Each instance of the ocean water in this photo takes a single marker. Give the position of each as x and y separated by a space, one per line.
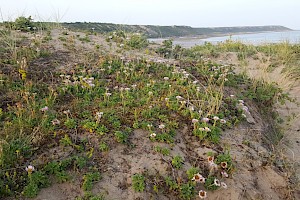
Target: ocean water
255 39
259 38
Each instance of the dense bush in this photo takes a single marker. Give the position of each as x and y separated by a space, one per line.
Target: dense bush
21 23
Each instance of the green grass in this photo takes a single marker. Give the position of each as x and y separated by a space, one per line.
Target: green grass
138 182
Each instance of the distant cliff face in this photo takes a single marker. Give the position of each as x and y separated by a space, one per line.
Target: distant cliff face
170 31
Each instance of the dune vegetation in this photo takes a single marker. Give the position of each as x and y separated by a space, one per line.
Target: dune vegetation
85 115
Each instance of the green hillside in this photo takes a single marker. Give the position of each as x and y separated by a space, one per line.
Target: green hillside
170 31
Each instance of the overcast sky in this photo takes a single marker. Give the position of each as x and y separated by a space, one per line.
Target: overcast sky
195 13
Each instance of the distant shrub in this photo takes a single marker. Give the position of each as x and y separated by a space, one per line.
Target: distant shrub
137 41
166 49
131 40
23 24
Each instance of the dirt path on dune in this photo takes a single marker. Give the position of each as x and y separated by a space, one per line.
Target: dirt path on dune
289 112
